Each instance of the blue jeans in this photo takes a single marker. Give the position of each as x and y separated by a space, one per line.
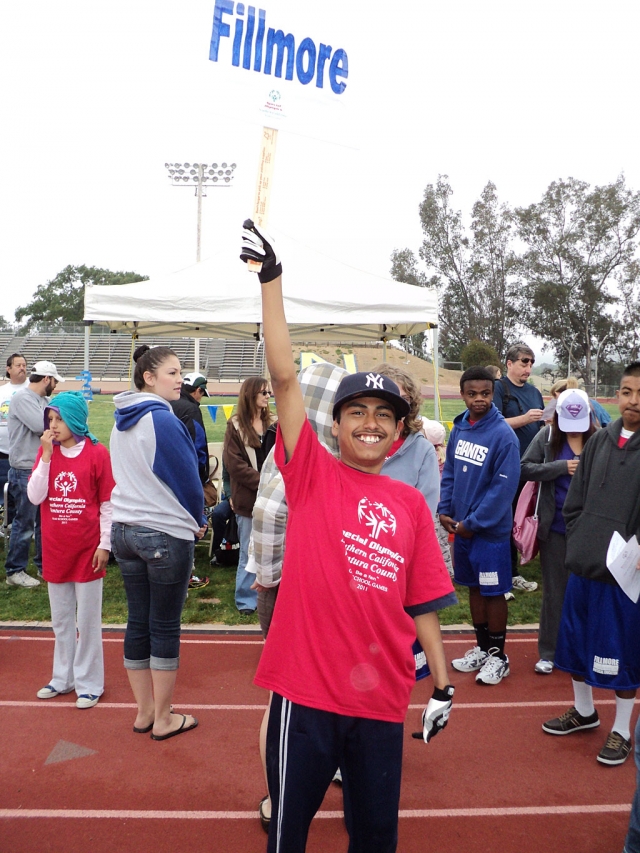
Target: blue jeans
26 521
246 598
632 844
222 512
155 569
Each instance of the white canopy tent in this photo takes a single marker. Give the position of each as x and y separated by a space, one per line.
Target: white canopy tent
325 300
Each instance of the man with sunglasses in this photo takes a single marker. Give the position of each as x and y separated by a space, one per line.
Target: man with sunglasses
522 405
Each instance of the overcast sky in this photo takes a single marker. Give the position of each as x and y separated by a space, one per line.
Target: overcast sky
99 95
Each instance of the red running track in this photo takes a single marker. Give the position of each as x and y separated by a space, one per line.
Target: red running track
78 781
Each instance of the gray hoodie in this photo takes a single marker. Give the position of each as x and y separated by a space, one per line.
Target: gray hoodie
604 496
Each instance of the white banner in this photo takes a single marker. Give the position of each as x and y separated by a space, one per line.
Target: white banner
284 65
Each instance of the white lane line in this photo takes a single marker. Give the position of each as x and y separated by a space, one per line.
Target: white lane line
459 706
49 638
102 814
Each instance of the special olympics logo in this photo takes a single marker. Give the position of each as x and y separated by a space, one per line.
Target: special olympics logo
66 483
274 95
377 517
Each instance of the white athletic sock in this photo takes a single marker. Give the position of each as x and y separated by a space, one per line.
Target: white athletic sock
622 722
583 696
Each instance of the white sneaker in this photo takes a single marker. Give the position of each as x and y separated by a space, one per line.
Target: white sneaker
22 579
544 667
472 661
87 701
494 669
526 586
337 777
509 596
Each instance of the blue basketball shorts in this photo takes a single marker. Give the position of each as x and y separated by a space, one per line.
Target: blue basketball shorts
599 636
482 563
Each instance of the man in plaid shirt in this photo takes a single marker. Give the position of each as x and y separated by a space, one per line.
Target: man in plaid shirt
319 383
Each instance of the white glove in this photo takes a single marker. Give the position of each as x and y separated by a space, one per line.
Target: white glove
436 715
258 246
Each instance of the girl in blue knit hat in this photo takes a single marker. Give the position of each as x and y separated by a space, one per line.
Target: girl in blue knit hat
72 483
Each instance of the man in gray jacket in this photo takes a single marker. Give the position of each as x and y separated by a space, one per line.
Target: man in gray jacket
599 637
26 425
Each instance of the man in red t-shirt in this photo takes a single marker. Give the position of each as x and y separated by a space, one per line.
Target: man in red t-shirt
363 576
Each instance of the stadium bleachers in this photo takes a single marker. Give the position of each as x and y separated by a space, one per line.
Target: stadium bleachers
110 355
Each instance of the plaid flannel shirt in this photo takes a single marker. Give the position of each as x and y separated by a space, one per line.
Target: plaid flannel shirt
319 383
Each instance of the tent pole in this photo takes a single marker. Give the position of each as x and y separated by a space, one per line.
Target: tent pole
87 333
436 392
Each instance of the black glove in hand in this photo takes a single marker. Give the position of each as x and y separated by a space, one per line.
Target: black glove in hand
258 246
436 715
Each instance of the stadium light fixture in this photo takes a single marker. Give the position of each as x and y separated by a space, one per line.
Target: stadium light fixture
200 176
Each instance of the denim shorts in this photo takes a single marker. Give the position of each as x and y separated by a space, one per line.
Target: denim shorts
155 570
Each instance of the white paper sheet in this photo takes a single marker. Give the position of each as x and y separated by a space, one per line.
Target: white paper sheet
622 562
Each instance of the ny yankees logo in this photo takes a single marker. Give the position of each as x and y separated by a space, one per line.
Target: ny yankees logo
374 380
376 516
66 482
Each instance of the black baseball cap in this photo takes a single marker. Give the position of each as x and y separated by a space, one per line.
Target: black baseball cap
370 385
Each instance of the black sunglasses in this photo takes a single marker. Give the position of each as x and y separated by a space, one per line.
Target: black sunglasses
266 393
526 361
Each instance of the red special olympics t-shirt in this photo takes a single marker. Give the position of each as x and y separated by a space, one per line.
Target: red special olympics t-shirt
70 514
360 547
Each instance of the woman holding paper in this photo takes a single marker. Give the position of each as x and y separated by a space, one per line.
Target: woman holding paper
551 459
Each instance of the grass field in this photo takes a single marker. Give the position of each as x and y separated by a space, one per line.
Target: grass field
215 602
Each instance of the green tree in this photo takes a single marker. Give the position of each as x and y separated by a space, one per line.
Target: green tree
474 273
626 336
576 238
5 325
478 354
404 268
61 300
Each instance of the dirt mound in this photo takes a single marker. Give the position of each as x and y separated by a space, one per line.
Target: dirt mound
370 355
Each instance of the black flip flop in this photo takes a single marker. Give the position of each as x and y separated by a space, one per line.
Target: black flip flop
178 731
144 730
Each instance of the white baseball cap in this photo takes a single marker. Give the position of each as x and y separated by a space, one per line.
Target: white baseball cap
46 368
196 380
574 413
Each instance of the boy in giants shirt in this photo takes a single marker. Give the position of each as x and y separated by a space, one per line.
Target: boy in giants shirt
599 636
480 477
363 575
72 483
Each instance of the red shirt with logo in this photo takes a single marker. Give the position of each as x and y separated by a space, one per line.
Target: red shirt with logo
360 548
70 515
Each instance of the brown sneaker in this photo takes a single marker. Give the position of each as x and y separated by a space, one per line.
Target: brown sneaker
571 721
615 751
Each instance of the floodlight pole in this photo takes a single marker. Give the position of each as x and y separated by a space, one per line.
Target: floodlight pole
219 177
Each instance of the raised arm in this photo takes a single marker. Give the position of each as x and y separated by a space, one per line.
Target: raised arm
257 246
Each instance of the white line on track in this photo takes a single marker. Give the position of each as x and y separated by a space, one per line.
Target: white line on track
49 638
101 814
189 706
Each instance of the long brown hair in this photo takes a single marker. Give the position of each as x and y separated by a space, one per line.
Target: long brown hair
558 437
248 410
413 421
